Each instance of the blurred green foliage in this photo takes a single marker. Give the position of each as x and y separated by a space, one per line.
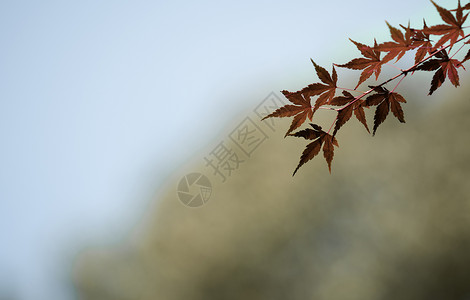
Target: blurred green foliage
391 222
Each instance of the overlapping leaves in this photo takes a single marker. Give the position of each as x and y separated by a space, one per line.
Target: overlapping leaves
430 56
370 63
301 107
444 67
350 104
400 45
421 41
453 27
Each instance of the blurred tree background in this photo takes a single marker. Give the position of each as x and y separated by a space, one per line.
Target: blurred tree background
102 100
391 222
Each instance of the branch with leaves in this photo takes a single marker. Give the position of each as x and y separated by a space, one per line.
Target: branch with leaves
429 56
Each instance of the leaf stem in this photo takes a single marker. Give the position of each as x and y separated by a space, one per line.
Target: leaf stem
398 84
350 90
327 108
393 66
457 51
336 118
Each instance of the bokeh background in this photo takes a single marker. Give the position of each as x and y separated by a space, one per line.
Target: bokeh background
105 105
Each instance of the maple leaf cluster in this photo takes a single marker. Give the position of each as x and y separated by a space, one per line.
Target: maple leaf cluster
437 57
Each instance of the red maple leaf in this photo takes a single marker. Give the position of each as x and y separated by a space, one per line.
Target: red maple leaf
402 43
320 138
444 66
429 56
370 63
302 107
326 90
385 101
450 31
300 110
345 113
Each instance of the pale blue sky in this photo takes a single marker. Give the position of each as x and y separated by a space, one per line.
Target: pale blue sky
101 100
